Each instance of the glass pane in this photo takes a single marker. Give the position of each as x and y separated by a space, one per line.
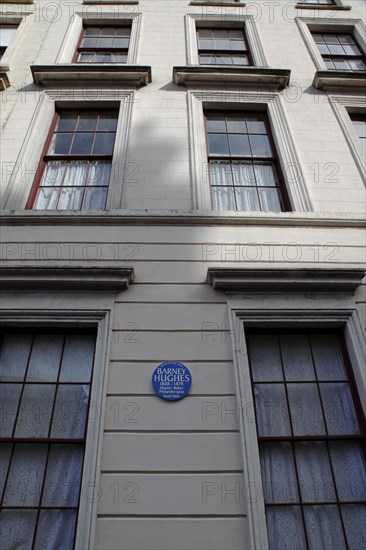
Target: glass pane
76 173
335 49
341 64
306 412
260 146
240 60
357 64
122 43
53 173
17 528
99 173
105 43
339 410
243 173
324 528
9 399
351 49
70 198
26 475
124 31
265 173
46 199
107 123
14 355
354 518
207 59
331 38
92 31
82 144
56 529
220 173
86 58
256 125
107 31
360 127
218 144
87 122
5 452
285 528
223 198
67 122
314 471
247 199
269 199
77 360
89 42
296 356
103 144
224 59
6 34
63 477
216 124
46 357
349 470
236 124
119 58
70 412
271 408
327 357
95 198
35 410
265 358
237 45
278 473
61 144
239 145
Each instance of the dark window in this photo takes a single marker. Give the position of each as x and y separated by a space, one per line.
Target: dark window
242 161
340 51
359 123
104 45
311 433
45 390
77 162
6 34
222 47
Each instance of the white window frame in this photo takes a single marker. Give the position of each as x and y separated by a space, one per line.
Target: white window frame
306 25
21 179
22 21
252 307
342 106
281 133
242 22
96 16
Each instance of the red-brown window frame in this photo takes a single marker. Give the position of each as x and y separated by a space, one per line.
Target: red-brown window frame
79 49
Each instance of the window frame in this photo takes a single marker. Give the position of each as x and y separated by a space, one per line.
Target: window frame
46 157
307 25
334 57
80 49
198 101
215 52
21 21
246 23
20 181
334 5
254 301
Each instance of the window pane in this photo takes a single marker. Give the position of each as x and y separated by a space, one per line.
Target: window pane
107 123
327 357
89 42
82 144
314 471
87 122
218 144
236 124
46 357
77 360
26 474
243 173
14 355
324 528
224 59
360 127
107 31
56 529
119 58
35 410
339 410
220 173
256 125
122 43
46 199
17 528
265 358
285 528
9 400
103 144
67 122
99 173
223 198
6 34
247 199
86 58
63 477
92 31
278 473
349 470
357 64
239 145
354 518
54 173
105 42
264 173
95 198
260 146
5 452
124 31
70 199
70 412
240 60
306 412
269 200
216 124
76 173
61 144
271 408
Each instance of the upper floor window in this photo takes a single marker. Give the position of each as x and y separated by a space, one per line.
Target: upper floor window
6 34
103 45
223 47
243 166
340 51
76 166
322 2
359 124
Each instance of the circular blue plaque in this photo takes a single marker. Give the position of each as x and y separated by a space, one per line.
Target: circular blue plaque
171 380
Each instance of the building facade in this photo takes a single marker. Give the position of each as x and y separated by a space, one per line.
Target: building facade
183 182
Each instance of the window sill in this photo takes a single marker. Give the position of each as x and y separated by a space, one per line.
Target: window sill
110 2
100 74
202 74
330 79
300 6
4 79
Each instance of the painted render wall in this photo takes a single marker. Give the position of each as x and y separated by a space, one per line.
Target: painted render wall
160 460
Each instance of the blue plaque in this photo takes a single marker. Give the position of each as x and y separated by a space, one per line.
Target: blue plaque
171 380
